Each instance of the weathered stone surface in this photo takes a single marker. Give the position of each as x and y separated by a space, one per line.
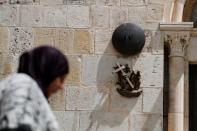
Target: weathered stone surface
100 16
58 37
118 16
103 43
153 42
104 121
51 2
153 100
74 76
191 50
4 38
23 1
101 69
108 2
44 36
151 68
146 122
154 12
5 68
68 120
74 2
9 16
133 2
90 2
86 98
58 101
78 16
138 15
31 16
83 42
21 39
157 43
156 1
54 16
123 104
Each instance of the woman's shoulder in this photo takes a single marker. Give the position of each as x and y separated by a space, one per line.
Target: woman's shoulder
17 81
18 78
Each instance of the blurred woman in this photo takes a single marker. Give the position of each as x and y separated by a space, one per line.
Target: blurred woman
23 96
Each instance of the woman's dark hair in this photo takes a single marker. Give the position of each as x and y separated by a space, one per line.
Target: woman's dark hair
43 64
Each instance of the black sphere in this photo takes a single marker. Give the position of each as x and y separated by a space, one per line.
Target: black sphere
128 39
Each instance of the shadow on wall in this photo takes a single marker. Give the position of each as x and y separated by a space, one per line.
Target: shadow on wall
116 113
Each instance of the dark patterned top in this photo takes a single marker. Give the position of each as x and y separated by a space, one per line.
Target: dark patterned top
22 102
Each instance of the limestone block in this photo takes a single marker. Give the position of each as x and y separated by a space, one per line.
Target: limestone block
100 16
68 120
74 2
118 16
191 50
44 36
155 12
83 42
4 38
31 15
90 2
58 100
138 15
146 122
9 15
51 2
104 121
86 98
54 16
23 1
151 68
103 43
6 69
153 42
123 104
151 25
58 37
78 16
156 1
153 100
133 2
74 76
21 39
157 43
108 2
101 69
147 46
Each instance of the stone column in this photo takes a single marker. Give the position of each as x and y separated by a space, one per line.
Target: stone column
178 10
178 42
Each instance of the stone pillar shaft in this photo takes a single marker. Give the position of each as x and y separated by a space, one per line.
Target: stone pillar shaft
177 42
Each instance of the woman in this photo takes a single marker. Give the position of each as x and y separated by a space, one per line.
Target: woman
23 96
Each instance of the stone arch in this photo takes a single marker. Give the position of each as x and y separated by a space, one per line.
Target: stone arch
173 10
188 8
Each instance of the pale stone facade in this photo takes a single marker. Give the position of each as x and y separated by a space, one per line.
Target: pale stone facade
82 30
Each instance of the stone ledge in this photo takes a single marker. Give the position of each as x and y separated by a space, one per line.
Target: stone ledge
175 26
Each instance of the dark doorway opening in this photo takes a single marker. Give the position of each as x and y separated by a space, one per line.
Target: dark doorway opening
192 97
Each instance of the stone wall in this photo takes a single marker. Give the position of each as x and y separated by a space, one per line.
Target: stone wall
82 30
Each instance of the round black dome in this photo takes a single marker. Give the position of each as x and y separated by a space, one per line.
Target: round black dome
128 39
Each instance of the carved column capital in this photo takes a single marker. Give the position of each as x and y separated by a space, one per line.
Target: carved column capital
177 41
